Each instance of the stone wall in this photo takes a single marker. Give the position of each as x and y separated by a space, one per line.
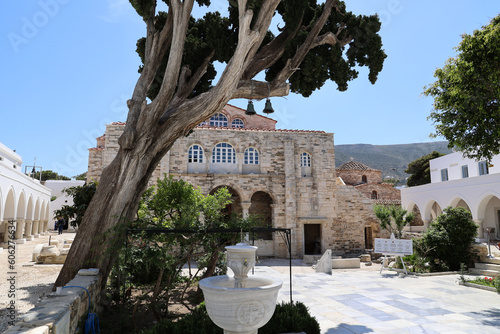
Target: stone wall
355 212
299 196
352 177
62 311
383 191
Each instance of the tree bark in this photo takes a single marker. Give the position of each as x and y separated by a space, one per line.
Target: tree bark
151 129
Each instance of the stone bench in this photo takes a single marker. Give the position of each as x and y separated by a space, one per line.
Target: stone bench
346 263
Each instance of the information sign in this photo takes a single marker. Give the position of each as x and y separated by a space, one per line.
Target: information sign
393 246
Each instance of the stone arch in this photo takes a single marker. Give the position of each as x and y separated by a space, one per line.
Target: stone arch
233 208
1 207
460 201
488 214
21 206
37 210
10 205
47 212
261 208
42 211
413 208
432 210
29 209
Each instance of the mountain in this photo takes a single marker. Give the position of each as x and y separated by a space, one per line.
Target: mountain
392 160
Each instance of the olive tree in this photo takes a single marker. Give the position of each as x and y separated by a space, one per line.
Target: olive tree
315 42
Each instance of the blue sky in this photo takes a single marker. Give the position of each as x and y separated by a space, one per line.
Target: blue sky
70 66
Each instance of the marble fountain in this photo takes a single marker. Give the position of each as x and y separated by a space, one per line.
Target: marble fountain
240 304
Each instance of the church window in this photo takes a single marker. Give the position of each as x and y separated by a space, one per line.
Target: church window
251 156
218 120
224 153
237 123
305 160
363 179
195 154
374 194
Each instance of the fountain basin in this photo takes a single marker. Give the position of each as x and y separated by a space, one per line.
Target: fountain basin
240 310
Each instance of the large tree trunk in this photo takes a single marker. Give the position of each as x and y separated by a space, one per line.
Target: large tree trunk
151 129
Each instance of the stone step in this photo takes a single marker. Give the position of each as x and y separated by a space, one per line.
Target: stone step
484 272
487 266
495 260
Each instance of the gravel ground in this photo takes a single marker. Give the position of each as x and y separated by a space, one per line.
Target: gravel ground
32 281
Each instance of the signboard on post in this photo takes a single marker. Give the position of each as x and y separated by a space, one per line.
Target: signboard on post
393 246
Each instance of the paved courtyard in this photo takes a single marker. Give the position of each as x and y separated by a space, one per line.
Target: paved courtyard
365 301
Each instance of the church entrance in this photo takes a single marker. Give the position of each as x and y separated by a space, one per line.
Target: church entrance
368 237
312 239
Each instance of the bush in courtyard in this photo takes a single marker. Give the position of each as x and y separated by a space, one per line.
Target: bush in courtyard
291 318
197 322
287 318
447 242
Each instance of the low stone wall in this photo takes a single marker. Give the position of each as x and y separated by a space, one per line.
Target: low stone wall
62 311
346 263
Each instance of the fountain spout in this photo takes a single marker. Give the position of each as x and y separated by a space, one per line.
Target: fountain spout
241 259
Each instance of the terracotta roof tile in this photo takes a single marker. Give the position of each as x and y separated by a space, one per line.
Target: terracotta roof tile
354 165
254 129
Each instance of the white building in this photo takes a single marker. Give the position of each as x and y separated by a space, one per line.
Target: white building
60 197
24 202
458 181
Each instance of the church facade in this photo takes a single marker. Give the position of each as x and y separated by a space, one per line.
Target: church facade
286 178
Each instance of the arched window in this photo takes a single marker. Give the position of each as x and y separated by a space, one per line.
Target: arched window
237 123
305 160
224 153
195 154
251 156
363 178
374 195
219 120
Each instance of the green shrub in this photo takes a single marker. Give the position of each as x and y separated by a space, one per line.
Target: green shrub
197 322
447 242
291 318
287 318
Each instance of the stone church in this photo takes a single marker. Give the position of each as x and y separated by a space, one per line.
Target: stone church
285 177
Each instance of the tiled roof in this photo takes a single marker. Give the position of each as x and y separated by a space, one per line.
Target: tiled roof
96 148
382 201
354 165
254 129
118 123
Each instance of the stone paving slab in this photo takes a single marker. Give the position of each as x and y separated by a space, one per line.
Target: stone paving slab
361 301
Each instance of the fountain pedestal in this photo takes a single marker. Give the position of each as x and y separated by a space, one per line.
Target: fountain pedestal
240 304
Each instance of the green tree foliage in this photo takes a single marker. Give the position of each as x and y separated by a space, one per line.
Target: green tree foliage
466 107
419 169
393 213
216 35
176 90
49 175
155 260
81 177
82 195
447 241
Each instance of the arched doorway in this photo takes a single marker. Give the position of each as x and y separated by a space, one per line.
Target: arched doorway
261 209
233 209
491 215
417 221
